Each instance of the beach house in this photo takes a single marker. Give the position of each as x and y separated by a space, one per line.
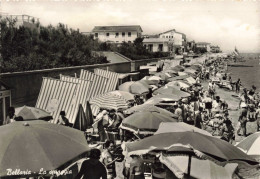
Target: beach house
203 45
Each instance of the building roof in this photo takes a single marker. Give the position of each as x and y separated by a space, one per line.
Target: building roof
203 43
155 40
117 28
168 31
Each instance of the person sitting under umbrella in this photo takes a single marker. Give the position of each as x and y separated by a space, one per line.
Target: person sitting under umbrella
107 158
11 115
63 120
92 168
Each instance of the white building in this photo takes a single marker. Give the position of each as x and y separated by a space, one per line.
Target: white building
117 34
203 45
156 44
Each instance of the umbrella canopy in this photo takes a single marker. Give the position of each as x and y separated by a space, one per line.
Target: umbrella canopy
163 76
250 144
32 113
145 122
109 101
178 78
155 78
202 169
162 97
150 82
149 107
171 90
32 145
181 84
126 95
166 127
137 87
199 144
182 73
177 68
170 71
190 70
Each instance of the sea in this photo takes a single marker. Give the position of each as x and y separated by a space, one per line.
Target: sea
248 72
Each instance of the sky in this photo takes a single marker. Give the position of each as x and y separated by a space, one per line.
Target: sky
227 23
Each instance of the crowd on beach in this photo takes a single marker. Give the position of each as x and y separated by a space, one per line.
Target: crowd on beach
203 108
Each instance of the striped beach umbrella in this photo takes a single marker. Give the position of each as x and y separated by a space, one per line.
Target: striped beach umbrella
250 144
109 101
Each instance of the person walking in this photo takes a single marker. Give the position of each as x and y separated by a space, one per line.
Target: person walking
92 168
238 84
242 120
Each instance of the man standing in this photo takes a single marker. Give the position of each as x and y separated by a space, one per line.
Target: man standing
242 119
92 168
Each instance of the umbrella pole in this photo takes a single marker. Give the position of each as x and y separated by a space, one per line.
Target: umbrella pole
189 165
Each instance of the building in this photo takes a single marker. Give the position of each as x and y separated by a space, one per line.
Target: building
23 20
177 40
190 46
214 49
203 45
156 44
117 34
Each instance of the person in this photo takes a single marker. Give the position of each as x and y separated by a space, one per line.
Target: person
108 159
149 94
211 89
11 115
178 111
238 84
158 170
136 167
18 118
258 117
102 122
63 120
251 114
205 119
227 131
198 119
242 120
208 104
92 168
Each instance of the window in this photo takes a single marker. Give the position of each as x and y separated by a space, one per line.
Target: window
163 36
166 36
160 48
150 47
96 35
117 35
107 34
123 34
129 34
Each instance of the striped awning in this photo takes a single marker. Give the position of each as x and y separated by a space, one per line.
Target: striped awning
81 93
99 83
112 76
109 101
55 96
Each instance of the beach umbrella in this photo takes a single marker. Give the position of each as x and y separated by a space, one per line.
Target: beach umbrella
149 107
35 145
137 87
145 122
178 68
182 73
126 95
170 71
150 82
180 83
172 90
163 76
162 97
250 144
195 167
166 127
32 113
109 101
193 143
155 78
178 78
190 70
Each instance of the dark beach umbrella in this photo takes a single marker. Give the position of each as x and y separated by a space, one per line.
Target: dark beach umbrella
35 145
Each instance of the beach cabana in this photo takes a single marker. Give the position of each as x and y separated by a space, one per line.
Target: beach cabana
112 78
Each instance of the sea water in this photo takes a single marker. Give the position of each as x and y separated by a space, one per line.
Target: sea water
249 74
